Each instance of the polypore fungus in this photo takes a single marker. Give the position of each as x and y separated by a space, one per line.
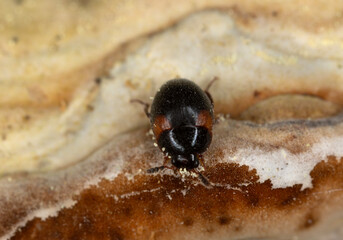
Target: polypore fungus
275 163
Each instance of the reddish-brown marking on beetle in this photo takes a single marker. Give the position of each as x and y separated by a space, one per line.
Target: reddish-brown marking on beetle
161 124
204 120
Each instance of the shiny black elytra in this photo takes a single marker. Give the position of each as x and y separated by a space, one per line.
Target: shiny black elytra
181 118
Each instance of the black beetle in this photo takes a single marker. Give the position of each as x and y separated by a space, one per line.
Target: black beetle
181 118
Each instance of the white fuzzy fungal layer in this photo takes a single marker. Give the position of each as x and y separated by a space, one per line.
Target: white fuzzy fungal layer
285 169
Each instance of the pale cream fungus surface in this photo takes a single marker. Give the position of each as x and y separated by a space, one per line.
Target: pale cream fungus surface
77 168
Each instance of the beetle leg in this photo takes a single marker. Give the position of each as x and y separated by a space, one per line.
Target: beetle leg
146 106
157 169
202 178
208 88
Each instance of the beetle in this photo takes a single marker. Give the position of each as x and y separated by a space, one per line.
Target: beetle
181 118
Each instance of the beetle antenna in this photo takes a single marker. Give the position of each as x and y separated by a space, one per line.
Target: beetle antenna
155 169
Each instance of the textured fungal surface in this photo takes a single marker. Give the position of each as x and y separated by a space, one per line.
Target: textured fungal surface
77 169
134 205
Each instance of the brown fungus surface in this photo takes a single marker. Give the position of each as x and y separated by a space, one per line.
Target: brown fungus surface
74 151
131 204
135 205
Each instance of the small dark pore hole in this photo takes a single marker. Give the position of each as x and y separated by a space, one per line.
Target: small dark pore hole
90 108
15 39
238 228
223 220
127 211
115 234
275 13
18 1
26 117
188 222
97 81
309 222
257 93
58 37
288 201
253 200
